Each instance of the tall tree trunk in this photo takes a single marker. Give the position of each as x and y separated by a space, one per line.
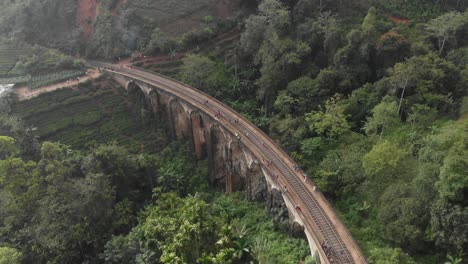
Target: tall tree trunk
441 45
401 97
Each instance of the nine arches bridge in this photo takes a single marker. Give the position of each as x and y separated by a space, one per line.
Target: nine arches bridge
240 155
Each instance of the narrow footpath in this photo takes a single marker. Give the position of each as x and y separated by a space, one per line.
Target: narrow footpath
24 93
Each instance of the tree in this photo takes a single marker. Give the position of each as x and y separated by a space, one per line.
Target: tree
325 25
425 80
205 74
384 157
370 24
403 213
277 58
7 146
299 97
384 116
390 256
453 182
159 42
252 37
392 47
402 75
175 230
341 172
421 115
10 255
261 250
272 18
445 26
352 61
328 124
453 260
107 41
448 226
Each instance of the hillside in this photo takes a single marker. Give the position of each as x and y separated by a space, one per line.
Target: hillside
369 97
48 23
94 112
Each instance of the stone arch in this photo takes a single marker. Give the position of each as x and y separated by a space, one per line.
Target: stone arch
239 168
277 207
199 135
217 156
155 100
140 103
180 120
256 183
297 230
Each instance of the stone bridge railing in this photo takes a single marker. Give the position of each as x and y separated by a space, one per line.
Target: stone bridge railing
242 157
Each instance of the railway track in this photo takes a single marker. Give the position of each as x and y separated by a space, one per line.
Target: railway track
316 213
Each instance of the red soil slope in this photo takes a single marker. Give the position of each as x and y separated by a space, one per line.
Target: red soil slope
87 13
399 20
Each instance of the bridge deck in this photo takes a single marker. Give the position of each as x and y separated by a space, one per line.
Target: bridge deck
317 214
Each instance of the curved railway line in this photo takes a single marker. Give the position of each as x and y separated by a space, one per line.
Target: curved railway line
316 213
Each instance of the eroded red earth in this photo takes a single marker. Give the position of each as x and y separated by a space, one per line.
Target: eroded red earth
87 13
399 19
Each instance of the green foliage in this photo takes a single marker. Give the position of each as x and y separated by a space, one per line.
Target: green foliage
401 193
65 207
417 10
268 245
276 56
107 41
177 174
40 59
452 180
384 156
389 256
272 16
7 146
422 115
392 47
296 99
464 106
370 24
341 171
202 73
448 225
444 27
159 42
384 116
329 124
189 229
10 256
174 230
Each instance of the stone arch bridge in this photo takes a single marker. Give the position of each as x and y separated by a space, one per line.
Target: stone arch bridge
242 157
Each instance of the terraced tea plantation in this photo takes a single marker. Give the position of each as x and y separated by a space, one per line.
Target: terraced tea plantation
56 77
93 112
8 57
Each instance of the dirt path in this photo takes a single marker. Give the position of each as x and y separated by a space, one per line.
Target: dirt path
24 93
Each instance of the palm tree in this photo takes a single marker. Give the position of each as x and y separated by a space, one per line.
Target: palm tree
453 260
